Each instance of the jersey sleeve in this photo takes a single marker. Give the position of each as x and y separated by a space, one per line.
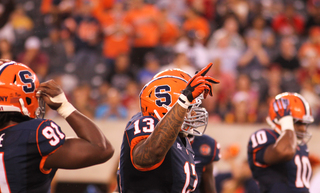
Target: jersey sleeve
49 137
214 146
207 149
258 143
140 129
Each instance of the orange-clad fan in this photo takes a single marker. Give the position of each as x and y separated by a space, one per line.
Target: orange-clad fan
115 29
169 31
196 23
144 20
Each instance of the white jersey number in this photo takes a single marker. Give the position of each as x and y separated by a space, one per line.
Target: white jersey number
148 129
259 138
303 171
51 133
188 173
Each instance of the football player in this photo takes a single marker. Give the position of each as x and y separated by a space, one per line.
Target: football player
278 157
205 148
32 148
156 155
207 151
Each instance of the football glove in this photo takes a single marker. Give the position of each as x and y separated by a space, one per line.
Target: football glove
282 109
199 84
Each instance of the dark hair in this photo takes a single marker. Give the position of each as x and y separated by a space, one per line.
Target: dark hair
6 117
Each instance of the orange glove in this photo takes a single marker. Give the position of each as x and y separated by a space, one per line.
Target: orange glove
200 83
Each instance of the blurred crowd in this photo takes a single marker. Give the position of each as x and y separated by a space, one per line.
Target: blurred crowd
102 52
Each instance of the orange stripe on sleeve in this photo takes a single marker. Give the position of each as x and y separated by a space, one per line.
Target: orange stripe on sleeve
43 161
254 159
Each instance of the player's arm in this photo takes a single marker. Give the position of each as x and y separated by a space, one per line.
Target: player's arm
285 146
208 182
91 147
153 149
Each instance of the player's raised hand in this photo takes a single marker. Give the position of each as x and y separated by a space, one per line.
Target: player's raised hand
200 83
54 97
281 108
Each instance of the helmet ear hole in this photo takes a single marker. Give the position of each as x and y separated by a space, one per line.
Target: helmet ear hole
28 100
14 79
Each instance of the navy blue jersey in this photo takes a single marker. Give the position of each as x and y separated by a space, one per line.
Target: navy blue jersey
206 150
23 150
288 177
176 173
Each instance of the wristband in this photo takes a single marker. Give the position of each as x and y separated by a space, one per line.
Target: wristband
286 123
183 101
66 108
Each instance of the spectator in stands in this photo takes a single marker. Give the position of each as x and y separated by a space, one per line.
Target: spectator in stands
312 46
144 20
151 68
274 80
260 30
231 29
5 49
89 67
287 58
82 101
169 34
21 22
289 64
6 29
56 51
115 31
130 98
193 49
67 40
22 26
219 106
227 54
245 101
121 73
310 69
196 23
313 16
176 9
85 27
240 8
288 23
254 60
34 57
112 108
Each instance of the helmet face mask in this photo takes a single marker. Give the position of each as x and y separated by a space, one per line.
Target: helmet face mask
196 121
162 92
18 84
300 111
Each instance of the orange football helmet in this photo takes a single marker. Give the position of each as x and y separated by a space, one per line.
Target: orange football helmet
174 72
159 95
18 84
300 111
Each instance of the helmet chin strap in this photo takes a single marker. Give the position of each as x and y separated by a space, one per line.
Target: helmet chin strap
24 109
